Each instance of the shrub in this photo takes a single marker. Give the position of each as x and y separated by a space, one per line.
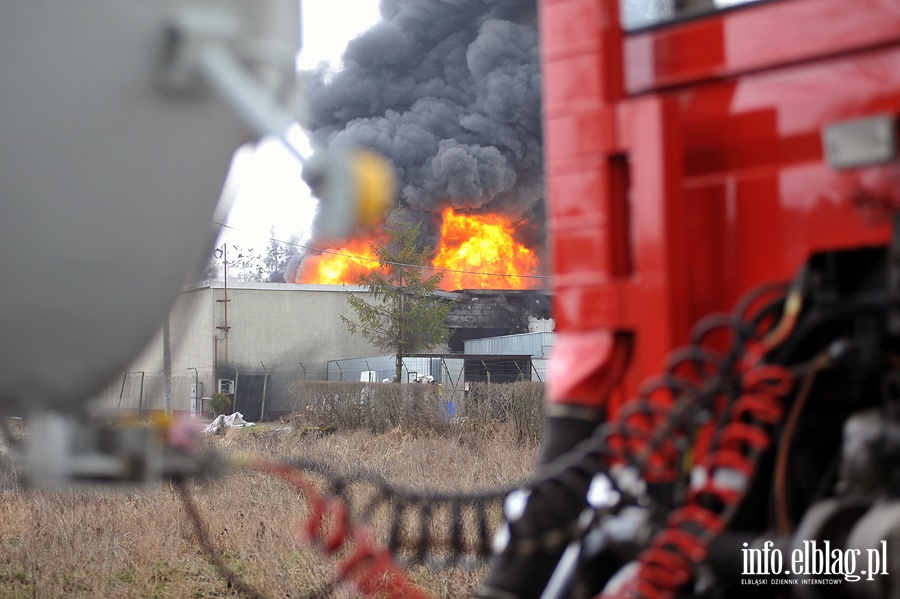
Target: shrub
519 404
220 404
380 407
376 407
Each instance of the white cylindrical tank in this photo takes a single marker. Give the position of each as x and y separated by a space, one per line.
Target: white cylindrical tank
108 185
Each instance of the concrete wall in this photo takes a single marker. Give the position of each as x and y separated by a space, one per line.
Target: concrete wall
285 324
142 388
276 334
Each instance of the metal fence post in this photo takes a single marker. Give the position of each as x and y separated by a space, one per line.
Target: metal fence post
487 371
234 391
141 397
121 392
537 374
262 408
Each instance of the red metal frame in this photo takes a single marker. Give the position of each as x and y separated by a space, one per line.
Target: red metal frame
684 166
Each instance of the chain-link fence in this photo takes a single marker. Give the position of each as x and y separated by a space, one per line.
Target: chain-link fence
453 373
264 391
259 393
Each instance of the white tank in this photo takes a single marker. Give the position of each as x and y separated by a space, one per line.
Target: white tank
108 186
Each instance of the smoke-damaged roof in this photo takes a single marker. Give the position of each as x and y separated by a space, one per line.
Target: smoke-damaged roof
482 313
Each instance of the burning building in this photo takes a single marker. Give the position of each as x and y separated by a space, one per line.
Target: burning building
473 252
261 338
478 314
449 93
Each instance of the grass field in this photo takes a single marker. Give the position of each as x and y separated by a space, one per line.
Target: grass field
140 542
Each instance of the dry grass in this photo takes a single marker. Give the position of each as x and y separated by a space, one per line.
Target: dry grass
139 543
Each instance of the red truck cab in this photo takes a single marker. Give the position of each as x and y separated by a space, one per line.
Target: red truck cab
695 150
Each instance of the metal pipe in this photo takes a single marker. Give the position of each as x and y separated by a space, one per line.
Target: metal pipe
121 392
224 301
251 101
225 275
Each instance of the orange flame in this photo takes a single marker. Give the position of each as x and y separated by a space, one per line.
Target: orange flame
483 246
477 251
340 266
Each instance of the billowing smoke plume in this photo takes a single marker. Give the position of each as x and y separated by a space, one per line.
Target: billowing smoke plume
449 92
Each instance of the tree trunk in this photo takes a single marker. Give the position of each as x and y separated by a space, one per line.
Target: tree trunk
398 366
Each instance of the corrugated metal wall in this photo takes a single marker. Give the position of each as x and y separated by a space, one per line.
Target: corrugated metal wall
536 345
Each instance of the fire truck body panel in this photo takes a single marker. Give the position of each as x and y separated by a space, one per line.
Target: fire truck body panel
755 37
697 171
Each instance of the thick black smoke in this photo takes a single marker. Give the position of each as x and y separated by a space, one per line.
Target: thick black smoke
449 92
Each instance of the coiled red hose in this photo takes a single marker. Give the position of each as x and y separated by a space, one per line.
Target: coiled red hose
370 569
674 552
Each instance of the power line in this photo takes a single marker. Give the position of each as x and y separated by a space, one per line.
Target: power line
367 259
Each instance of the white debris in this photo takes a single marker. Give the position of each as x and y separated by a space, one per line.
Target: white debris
222 422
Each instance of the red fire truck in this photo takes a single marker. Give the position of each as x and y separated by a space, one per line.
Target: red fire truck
723 418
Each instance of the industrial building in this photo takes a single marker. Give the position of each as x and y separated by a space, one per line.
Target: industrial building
253 337
253 340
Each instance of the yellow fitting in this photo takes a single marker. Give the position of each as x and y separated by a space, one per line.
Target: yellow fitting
375 186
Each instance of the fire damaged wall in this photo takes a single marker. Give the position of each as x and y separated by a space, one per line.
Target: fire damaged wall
481 313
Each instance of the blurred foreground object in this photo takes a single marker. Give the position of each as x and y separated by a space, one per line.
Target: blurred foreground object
119 122
109 184
356 188
62 449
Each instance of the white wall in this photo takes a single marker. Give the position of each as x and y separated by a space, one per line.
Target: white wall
292 329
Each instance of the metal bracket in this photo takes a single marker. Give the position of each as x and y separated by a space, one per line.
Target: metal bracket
206 48
860 142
